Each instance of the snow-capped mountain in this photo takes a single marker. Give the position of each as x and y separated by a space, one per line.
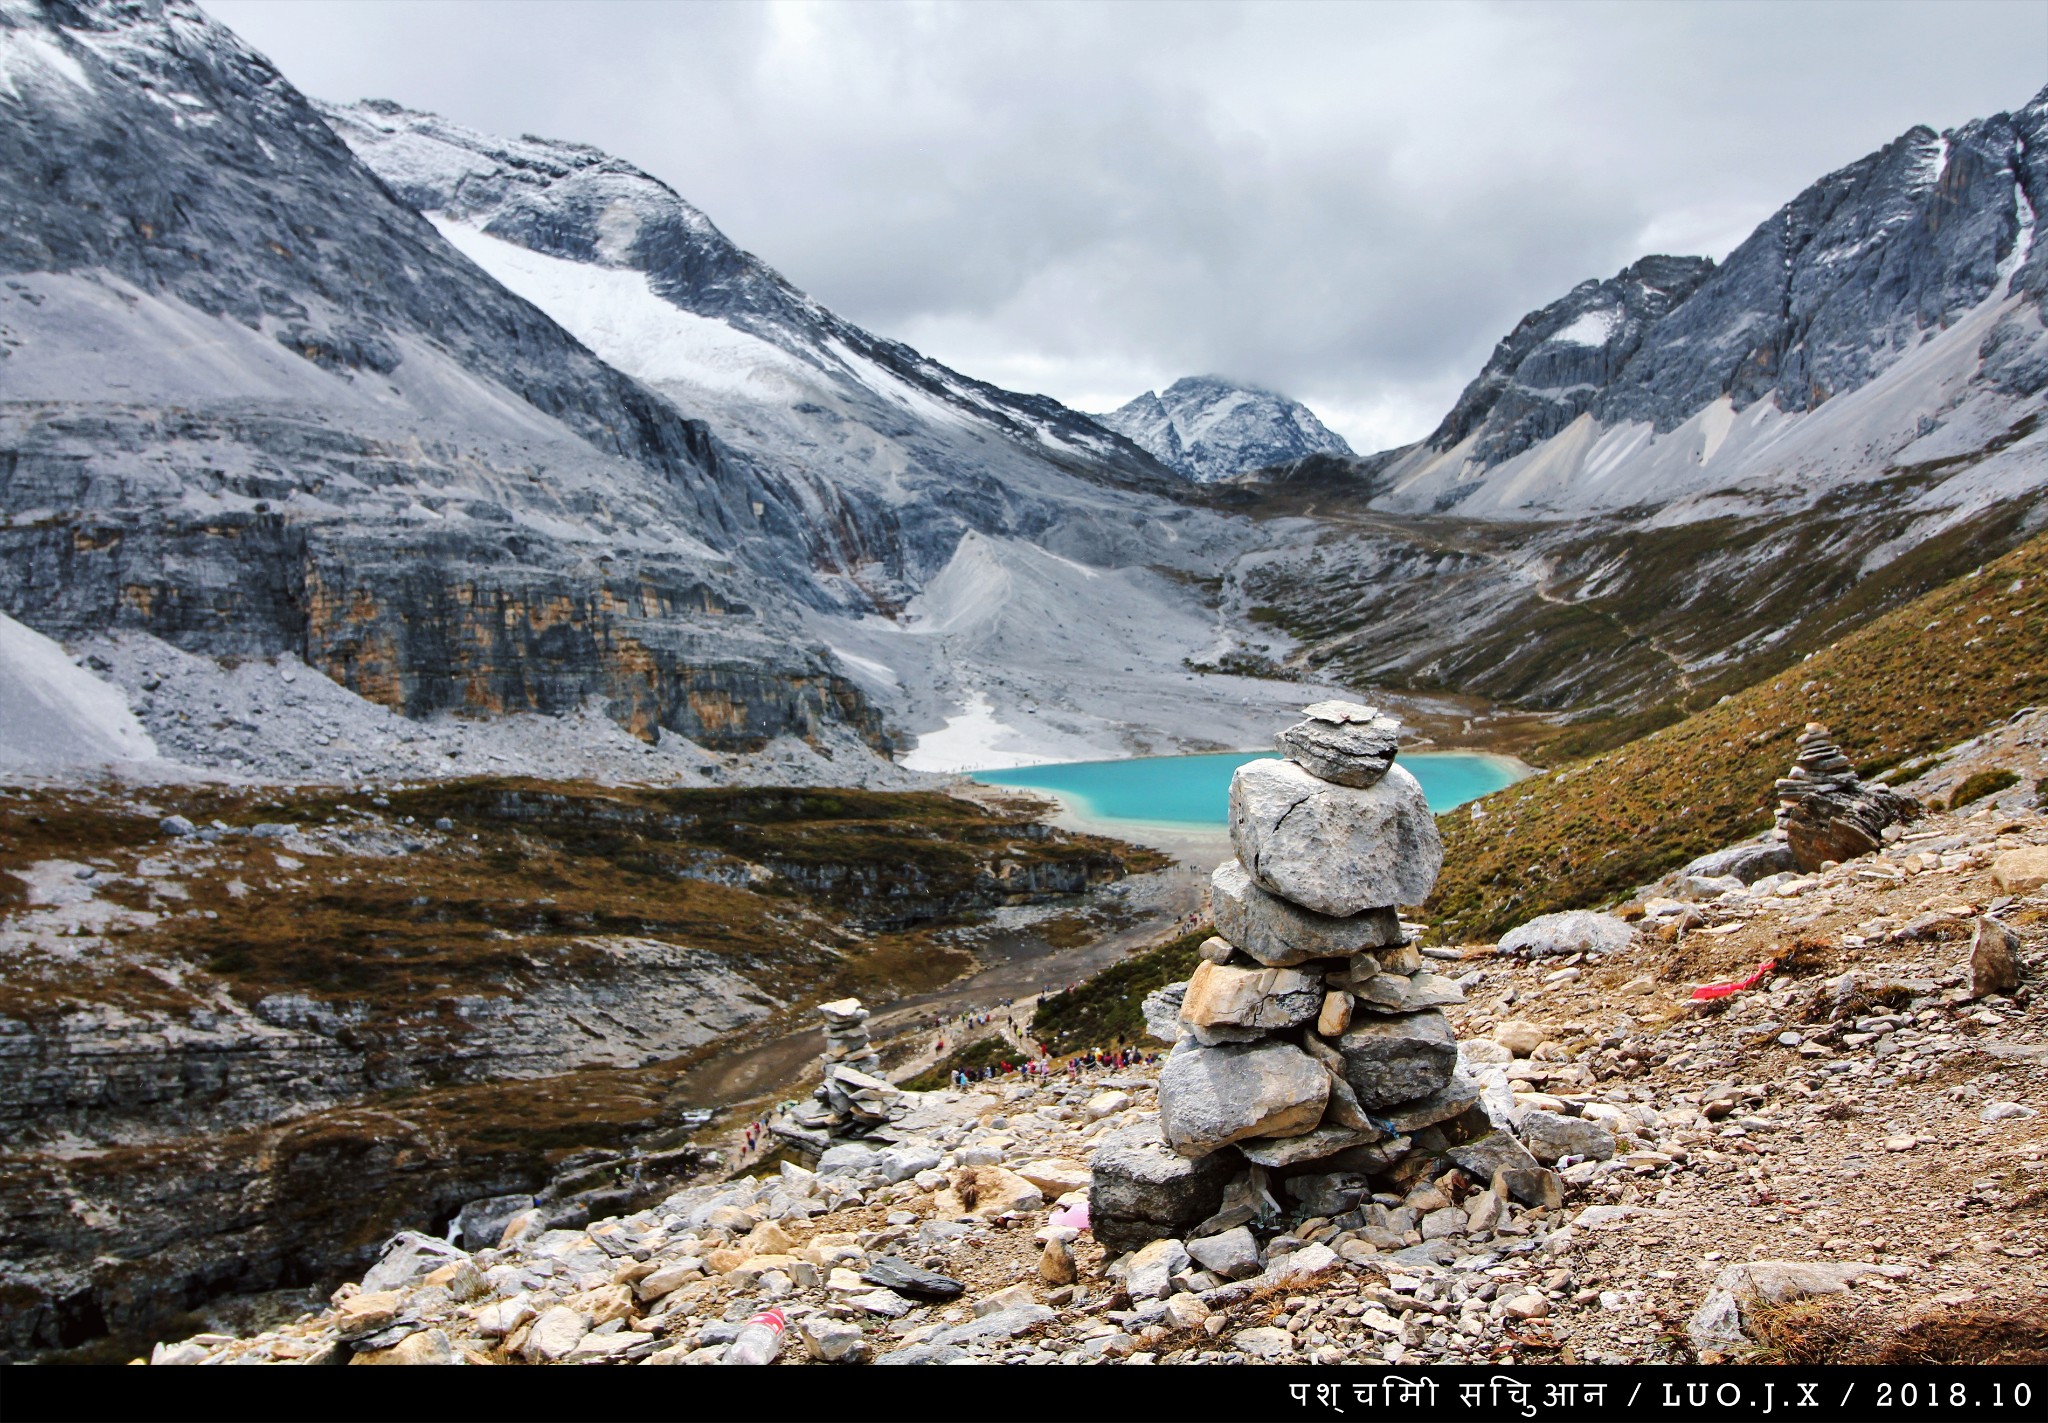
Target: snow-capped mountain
923 493
1886 320
561 444
896 455
254 405
1207 428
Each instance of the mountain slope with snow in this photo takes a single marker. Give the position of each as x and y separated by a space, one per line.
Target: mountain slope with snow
916 483
1208 429
1673 481
1885 323
893 456
585 206
254 406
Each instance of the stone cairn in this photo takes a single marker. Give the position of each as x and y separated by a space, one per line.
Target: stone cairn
1310 1052
1826 811
854 1098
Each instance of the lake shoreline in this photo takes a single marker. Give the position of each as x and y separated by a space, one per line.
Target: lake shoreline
1204 843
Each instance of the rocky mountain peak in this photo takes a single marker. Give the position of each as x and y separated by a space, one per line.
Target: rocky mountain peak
1899 279
249 370
1549 369
1207 428
580 204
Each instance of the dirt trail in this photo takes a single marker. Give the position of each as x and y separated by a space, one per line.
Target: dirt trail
1017 965
1651 640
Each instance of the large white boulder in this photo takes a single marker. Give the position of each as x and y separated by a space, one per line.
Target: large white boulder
1338 850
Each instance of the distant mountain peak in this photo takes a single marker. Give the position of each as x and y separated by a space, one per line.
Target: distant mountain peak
1208 428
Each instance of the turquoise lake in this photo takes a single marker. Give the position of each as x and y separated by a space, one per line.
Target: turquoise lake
1193 792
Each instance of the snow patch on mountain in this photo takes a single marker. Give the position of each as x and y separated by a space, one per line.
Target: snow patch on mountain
28 58
616 312
974 739
1207 428
1595 328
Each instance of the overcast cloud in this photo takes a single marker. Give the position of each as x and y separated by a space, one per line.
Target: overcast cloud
1347 203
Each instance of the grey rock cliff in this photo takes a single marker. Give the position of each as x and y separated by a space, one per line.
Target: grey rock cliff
255 405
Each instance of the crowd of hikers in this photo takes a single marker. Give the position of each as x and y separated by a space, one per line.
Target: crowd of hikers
1004 1012
1037 1061
757 1129
1042 1066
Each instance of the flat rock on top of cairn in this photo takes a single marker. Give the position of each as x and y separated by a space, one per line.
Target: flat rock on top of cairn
1340 713
1335 849
1345 743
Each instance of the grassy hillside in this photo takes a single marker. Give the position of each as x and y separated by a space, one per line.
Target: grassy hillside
1922 677
1641 625
1105 1011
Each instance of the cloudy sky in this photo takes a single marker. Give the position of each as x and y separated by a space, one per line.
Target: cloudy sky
1347 203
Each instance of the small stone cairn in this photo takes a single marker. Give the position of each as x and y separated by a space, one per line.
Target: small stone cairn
854 1097
1310 1049
1826 811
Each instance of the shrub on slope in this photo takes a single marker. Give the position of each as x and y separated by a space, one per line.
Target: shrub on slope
1918 679
1106 1010
991 1051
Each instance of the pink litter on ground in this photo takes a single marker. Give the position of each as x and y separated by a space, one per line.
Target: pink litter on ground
1722 990
1075 1215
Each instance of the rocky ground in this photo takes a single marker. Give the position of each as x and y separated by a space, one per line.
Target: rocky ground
250 1032
1865 1124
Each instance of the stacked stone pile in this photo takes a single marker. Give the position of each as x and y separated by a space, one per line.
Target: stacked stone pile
854 1097
1826 811
1310 1050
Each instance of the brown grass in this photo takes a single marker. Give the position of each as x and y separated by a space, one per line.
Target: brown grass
1858 1329
1809 954
1924 677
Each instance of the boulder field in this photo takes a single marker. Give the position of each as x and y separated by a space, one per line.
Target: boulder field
1864 1126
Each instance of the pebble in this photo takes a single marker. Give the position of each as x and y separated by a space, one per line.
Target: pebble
1265 1342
